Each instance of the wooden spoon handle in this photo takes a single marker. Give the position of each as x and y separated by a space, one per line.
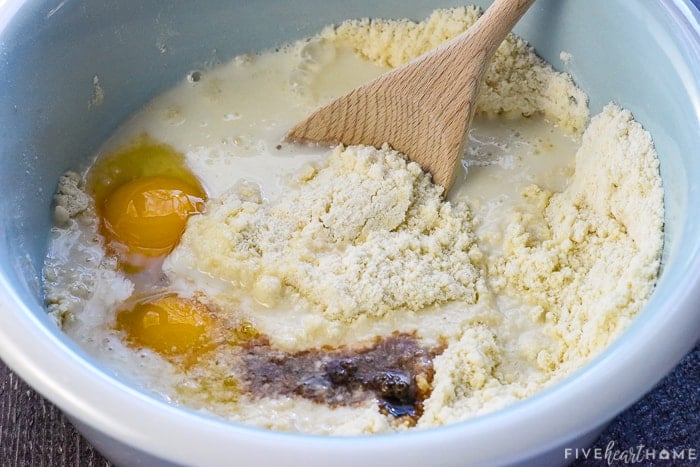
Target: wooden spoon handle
446 82
497 22
465 58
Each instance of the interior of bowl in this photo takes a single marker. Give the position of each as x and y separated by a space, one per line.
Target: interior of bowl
55 57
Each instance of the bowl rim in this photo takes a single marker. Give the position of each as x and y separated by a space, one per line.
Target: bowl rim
60 371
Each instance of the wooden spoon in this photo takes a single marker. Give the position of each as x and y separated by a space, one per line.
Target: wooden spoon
423 108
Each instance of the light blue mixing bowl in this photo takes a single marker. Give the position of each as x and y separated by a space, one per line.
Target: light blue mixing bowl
643 55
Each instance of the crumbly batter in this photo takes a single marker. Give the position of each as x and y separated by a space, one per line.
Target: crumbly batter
365 233
342 293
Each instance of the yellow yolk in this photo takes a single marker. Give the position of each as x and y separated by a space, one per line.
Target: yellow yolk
144 194
168 324
147 216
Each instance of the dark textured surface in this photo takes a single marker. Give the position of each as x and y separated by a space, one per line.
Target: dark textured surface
34 433
666 418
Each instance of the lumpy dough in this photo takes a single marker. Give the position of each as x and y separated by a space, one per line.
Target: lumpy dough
544 251
588 257
364 233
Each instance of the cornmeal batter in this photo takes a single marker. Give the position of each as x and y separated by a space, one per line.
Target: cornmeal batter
339 291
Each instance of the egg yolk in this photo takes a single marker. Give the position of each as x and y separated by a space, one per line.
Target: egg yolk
144 194
168 324
147 216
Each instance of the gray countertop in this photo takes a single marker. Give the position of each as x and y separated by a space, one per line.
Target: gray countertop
33 432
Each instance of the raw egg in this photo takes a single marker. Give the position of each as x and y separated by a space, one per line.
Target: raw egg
147 216
144 195
167 324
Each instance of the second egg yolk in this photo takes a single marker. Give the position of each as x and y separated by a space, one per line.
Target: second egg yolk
168 324
147 216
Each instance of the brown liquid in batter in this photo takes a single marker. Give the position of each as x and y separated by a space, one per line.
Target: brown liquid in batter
395 370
